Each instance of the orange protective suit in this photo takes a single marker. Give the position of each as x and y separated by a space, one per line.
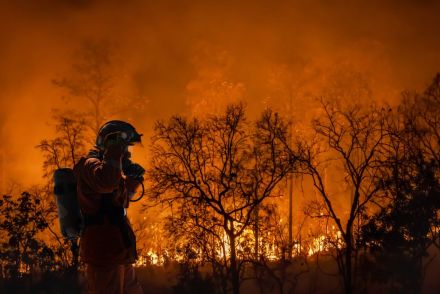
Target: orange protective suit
107 244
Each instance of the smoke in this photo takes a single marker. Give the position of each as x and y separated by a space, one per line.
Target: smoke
171 49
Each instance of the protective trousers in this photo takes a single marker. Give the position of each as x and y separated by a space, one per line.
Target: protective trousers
116 279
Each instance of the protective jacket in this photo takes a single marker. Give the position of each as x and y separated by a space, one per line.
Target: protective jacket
102 191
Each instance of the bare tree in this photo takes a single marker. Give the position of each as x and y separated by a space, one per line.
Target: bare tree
96 80
421 114
353 136
91 78
67 147
217 171
288 86
63 151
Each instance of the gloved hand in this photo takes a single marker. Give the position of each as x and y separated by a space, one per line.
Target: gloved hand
115 140
134 171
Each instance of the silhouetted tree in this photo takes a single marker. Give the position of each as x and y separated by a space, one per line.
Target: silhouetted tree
217 172
350 138
407 224
400 234
91 78
94 80
67 147
22 251
64 151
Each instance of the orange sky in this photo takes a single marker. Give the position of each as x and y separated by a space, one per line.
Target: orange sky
170 53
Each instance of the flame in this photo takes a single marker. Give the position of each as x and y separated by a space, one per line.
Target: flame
325 243
318 245
150 258
245 244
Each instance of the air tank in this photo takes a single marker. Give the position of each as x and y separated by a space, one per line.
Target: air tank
69 213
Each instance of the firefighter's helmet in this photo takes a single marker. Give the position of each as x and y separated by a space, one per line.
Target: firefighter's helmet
126 130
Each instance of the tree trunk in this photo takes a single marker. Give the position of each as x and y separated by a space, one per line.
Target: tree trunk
290 247
256 232
348 265
235 279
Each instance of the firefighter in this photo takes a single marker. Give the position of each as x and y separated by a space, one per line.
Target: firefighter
106 179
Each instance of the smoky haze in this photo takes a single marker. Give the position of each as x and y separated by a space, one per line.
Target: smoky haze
172 53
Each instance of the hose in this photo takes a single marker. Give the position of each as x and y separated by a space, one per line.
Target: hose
142 194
